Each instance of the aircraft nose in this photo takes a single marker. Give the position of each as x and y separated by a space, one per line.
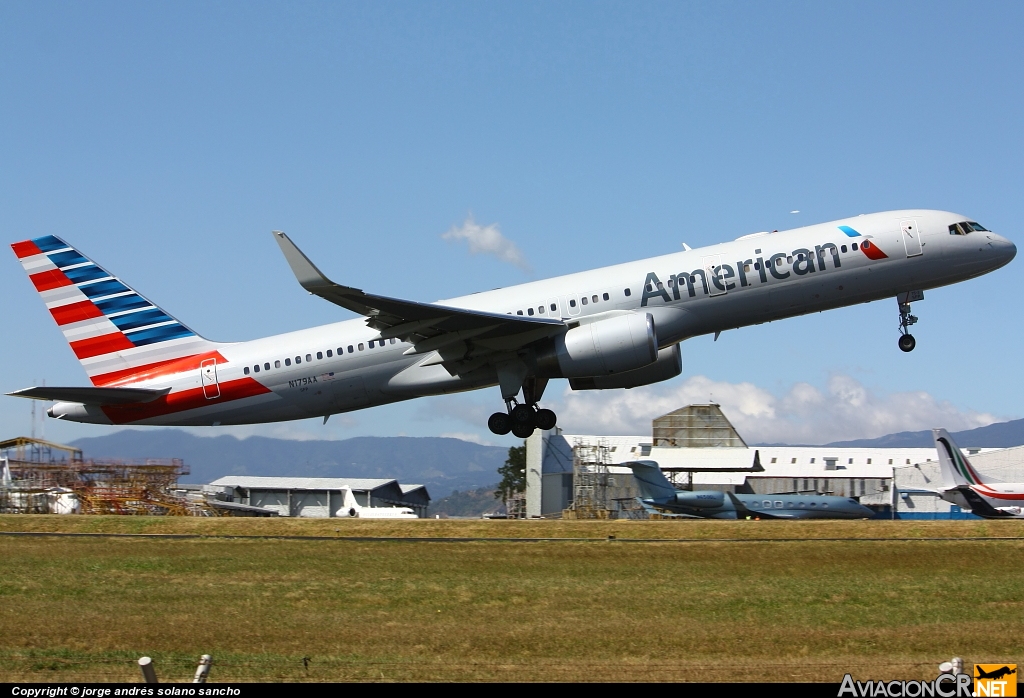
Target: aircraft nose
1004 249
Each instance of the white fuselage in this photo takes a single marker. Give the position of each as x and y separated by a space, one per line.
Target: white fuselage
751 280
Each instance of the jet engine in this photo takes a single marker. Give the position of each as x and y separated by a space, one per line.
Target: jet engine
614 345
669 364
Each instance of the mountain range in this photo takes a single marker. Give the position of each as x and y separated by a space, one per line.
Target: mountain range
999 435
442 464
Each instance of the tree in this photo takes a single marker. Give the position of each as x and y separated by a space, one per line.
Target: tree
513 474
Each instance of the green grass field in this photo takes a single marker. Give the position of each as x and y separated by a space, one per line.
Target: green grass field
777 610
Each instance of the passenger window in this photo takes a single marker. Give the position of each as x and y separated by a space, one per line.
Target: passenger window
789 259
843 248
626 291
746 267
540 309
850 462
757 265
594 298
890 461
812 460
309 358
360 346
245 370
554 307
266 366
650 287
277 364
350 349
287 362
529 311
519 312
329 353
256 368
298 360
793 461
319 356
778 504
869 461
582 300
605 296
572 303
853 246
392 340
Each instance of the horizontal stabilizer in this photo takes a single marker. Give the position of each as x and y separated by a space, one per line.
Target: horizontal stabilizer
93 396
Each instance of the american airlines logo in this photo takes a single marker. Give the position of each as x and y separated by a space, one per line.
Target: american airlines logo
715 277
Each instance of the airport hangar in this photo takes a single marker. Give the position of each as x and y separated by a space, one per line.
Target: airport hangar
317 497
698 448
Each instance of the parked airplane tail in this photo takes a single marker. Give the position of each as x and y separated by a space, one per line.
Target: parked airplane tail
956 469
117 334
652 482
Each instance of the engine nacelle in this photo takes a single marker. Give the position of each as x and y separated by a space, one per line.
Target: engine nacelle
701 499
613 345
669 364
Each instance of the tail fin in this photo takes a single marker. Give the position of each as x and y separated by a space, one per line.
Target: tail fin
117 334
652 482
956 469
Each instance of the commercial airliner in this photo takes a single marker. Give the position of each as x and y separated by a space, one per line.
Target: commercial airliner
656 491
964 486
616 327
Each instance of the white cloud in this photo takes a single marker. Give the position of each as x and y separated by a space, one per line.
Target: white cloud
844 410
488 240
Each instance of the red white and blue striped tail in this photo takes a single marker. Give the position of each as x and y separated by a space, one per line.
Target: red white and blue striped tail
119 336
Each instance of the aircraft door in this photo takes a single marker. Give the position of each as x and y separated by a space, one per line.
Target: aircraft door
911 237
208 376
713 272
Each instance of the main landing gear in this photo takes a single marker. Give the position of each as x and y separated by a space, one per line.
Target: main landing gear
907 341
522 418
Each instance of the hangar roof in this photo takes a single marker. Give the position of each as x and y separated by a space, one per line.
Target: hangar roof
304 483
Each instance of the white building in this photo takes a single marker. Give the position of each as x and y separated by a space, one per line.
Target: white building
699 448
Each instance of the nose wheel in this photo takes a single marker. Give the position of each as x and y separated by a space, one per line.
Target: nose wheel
521 420
907 342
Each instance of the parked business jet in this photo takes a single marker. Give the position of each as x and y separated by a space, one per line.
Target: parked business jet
352 508
962 485
656 491
616 327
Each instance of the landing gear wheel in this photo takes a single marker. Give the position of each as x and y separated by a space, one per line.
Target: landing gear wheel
522 431
499 423
523 416
546 420
907 342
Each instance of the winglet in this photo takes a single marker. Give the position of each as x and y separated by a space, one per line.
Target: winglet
309 277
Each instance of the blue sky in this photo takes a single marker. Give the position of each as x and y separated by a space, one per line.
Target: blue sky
166 140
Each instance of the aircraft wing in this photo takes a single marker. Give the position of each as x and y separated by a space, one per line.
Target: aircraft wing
92 396
427 326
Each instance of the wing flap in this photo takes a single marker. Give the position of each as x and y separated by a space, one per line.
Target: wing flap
92 396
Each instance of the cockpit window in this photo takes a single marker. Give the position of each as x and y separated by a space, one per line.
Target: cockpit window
966 228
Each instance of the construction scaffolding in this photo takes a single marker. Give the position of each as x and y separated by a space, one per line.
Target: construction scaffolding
44 477
589 481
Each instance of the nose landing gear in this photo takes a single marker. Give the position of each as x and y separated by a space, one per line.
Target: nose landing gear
907 341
